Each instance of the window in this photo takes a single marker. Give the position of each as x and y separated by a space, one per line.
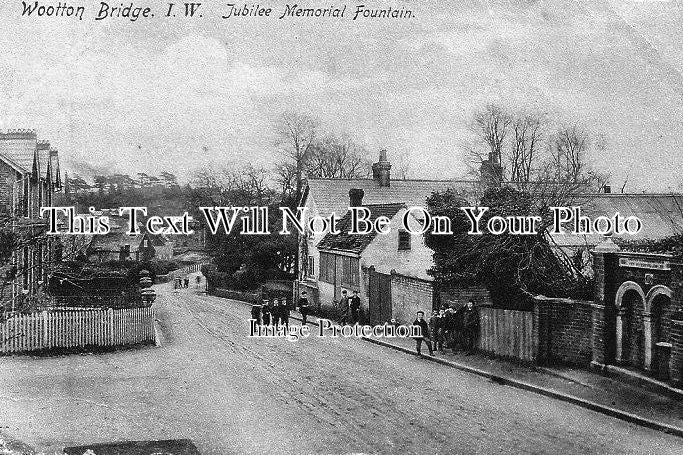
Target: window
403 240
311 266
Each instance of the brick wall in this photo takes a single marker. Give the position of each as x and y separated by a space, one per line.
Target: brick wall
459 296
564 330
676 362
408 296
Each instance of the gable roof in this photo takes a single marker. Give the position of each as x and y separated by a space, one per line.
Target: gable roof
661 215
332 195
19 147
356 243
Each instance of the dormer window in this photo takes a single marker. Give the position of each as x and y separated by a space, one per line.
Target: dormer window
403 240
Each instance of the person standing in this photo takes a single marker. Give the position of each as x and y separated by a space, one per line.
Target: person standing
424 335
256 312
344 306
275 313
265 314
470 325
354 306
284 314
304 306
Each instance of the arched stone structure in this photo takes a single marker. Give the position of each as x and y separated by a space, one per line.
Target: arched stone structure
652 294
625 287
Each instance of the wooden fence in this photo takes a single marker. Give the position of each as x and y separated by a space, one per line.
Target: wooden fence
69 329
507 333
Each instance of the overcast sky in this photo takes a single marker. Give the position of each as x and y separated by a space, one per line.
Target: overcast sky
149 95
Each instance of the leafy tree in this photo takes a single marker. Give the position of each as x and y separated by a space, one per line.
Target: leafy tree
512 267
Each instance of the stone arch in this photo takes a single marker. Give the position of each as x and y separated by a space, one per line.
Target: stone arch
659 289
648 327
626 317
624 288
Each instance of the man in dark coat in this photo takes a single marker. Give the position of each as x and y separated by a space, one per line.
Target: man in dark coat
470 326
265 311
284 313
304 306
424 327
344 306
256 312
275 313
354 306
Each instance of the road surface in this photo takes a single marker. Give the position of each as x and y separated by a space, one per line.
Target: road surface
233 394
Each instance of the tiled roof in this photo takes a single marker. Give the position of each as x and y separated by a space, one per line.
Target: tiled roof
332 195
19 147
113 241
661 214
356 243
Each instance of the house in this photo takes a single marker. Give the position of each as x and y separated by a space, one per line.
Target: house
119 245
29 179
389 271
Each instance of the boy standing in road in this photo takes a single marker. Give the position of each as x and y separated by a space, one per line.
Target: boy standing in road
470 325
344 306
424 327
354 305
304 306
284 314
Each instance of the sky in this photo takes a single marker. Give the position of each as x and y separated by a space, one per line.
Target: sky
177 94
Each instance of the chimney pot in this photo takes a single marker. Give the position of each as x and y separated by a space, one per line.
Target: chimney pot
356 197
381 170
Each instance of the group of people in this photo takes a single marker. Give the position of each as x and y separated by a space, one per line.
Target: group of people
452 328
181 283
350 307
276 312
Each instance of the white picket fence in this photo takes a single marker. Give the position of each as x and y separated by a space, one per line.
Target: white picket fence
76 329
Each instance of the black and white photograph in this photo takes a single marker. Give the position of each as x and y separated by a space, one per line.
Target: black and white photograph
341 228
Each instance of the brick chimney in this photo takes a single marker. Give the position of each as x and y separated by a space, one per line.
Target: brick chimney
491 171
381 170
356 197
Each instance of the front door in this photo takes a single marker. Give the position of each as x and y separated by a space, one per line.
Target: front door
379 297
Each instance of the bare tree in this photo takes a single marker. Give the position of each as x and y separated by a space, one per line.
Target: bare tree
401 166
297 134
525 145
491 126
337 157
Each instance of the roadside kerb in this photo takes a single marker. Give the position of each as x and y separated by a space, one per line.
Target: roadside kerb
504 380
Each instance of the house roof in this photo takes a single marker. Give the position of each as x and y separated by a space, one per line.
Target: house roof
661 215
113 241
356 243
332 195
19 148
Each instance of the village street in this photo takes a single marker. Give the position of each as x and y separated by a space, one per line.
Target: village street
231 394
